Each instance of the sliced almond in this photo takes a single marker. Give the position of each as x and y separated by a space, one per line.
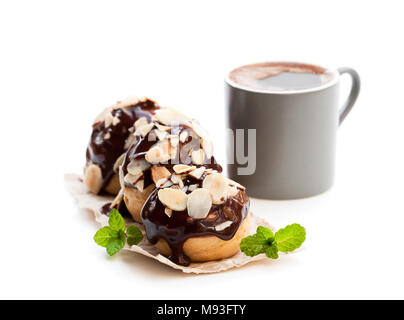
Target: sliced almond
159 172
161 135
210 171
232 191
164 183
168 116
144 130
140 185
130 101
129 141
207 146
168 183
198 157
174 199
183 168
140 122
183 136
174 140
192 187
223 225
197 173
93 178
177 179
108 119
117 199
118 162
132 179
107 136
235 184
217 186
199 203
168 212
162 128
201 132
115 121
157 155
136 166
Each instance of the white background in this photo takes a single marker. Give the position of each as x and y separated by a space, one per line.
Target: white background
61 62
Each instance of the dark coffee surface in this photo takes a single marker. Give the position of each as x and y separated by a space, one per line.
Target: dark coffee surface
280 76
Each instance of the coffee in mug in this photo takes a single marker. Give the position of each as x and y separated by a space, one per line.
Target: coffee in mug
280 76
285 115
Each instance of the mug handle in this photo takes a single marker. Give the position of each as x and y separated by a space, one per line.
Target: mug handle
353 95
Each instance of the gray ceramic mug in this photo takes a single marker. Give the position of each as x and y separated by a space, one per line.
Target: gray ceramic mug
296 135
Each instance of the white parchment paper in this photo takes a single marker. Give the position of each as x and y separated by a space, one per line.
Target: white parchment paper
87 200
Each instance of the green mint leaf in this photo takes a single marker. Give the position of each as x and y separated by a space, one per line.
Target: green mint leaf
265 234
116 244
134 235
116 221
103 236
290 238
261 242
272 251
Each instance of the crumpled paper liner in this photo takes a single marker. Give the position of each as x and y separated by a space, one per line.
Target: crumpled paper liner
87 200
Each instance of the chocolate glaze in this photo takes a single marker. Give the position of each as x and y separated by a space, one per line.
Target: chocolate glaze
106 209
141 145
104 152
175 230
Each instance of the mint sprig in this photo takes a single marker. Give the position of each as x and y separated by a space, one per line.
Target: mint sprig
265 241
114 237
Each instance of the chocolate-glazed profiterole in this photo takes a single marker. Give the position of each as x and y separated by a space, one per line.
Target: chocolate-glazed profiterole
202 218
109 140
171 138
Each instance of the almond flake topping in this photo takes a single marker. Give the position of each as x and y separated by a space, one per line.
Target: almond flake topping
159 172
198 157
174 140
217 186
168 116
183 136
197 173
115 121
140 185
161 135
157 155
177 179
192 187
164 183
108 119
144 130
223 225
119 162
235 184
174 199
140 122
162 128
168 212
199 203
130 101
137 166
183 168
132 179
129 141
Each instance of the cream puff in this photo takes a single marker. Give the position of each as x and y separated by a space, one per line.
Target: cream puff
171 138
110 138
201 217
